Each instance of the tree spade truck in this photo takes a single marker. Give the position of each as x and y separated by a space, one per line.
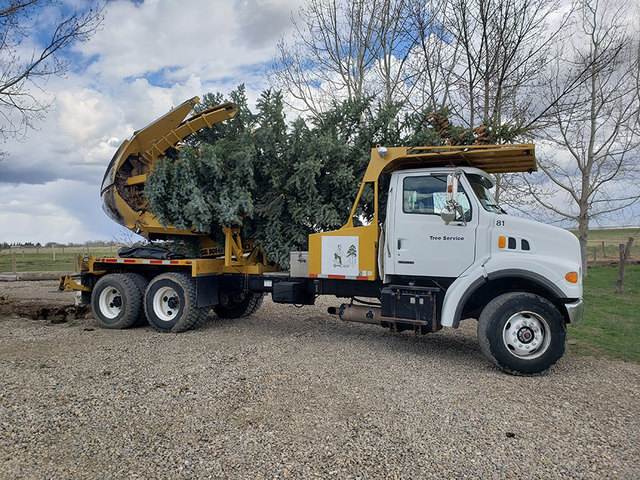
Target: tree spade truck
444 252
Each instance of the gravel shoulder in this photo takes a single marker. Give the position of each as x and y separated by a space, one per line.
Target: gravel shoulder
295 393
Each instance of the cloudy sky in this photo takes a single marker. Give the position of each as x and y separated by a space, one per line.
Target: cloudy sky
148 57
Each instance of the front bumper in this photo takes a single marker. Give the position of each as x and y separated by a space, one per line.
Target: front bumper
575 311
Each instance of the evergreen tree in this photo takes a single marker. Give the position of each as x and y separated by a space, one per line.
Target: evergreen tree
282 183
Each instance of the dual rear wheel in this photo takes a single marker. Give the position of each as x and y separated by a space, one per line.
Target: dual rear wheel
168 302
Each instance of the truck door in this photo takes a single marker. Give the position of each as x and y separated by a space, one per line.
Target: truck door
419 243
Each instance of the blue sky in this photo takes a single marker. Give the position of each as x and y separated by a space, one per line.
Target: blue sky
148 57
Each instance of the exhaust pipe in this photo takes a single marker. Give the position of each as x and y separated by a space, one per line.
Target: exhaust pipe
357 313
372 315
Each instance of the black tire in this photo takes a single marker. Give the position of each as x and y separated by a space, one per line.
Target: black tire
522 333
238 304
116 301
142 283
170 303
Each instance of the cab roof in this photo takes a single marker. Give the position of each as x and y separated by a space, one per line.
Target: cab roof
488 158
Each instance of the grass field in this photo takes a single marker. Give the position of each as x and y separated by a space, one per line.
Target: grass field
42 260
611 324
612 238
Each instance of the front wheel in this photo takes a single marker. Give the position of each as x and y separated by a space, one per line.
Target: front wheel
170 303
522 333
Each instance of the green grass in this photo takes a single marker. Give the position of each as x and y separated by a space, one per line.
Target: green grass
611 325
29 260
612 238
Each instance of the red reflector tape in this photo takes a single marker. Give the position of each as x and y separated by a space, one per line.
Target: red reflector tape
338 277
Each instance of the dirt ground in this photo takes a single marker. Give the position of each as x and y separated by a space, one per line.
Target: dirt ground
294 393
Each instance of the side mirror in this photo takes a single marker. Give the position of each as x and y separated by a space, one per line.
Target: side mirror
448 214
452 209
453 179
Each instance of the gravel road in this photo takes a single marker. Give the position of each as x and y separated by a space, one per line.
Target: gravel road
295 393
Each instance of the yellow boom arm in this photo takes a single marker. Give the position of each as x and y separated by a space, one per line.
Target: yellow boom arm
123 183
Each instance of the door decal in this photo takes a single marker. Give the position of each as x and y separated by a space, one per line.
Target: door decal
339 255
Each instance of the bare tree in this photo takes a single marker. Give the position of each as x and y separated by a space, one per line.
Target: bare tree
435 58
482 58
396 44
344 49
30 52
596 128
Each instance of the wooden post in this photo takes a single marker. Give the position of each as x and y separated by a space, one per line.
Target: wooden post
53 253
13 262
604 252
624 255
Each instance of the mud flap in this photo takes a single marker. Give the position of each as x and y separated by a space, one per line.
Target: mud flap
207 288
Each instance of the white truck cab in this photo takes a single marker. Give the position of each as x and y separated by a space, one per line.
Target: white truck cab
444 228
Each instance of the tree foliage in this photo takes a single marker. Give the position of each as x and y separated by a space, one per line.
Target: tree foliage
282 181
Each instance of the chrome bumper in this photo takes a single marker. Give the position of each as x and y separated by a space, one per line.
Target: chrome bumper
575 311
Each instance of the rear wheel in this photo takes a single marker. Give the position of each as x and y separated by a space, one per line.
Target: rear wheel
116 301
142 283
236 304
170 303
522 333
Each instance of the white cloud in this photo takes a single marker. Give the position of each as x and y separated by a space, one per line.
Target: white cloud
210 39
60 211
147 58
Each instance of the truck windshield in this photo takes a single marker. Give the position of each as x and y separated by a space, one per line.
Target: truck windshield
481 187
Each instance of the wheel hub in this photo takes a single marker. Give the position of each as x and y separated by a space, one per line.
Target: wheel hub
166 304
526 335
110 302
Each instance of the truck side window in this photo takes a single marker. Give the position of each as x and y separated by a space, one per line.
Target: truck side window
426 195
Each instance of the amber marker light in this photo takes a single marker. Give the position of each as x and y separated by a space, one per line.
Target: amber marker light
502 242
571 277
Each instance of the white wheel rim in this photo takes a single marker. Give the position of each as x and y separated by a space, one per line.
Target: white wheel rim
166 304
110 302
526 335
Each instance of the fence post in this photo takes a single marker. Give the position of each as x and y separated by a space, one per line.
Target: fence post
13 262
624 255
53 252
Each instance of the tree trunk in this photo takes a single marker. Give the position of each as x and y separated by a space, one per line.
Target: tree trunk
583 235
624 255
